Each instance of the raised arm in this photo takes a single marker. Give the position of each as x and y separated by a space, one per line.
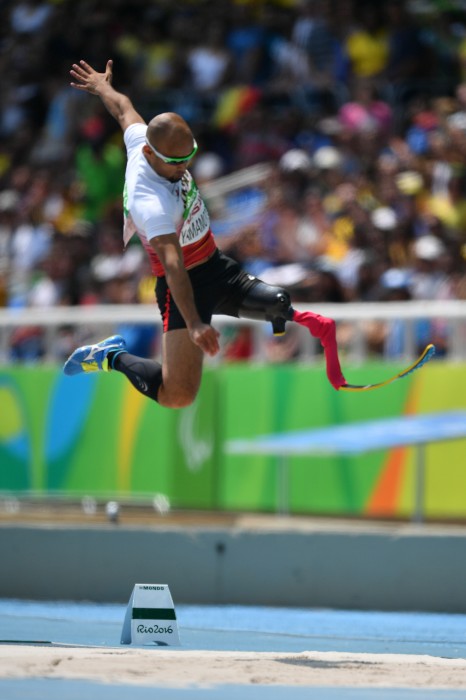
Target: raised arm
100 84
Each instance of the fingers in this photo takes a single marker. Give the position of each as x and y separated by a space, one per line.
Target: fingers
211 351
76 76
81 78
208 340
109 70
83 70
211 344
86 66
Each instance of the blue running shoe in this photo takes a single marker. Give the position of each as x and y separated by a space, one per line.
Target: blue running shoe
92 358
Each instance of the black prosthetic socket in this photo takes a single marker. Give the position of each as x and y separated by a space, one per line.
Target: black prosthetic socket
268 303
144 375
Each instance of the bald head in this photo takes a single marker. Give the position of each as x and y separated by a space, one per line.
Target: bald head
169 133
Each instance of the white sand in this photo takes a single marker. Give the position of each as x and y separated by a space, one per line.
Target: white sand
177 668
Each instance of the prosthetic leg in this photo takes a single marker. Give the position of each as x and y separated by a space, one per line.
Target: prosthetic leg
265 302
324 329
268 303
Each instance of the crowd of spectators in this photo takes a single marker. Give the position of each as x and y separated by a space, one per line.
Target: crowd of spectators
357 107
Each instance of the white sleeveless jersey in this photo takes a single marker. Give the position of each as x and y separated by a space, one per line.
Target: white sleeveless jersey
154 206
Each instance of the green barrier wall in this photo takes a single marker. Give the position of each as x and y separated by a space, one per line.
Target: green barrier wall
95 435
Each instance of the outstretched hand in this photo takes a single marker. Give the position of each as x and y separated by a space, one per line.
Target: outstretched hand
89 79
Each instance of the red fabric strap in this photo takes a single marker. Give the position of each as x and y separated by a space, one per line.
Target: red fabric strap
324 329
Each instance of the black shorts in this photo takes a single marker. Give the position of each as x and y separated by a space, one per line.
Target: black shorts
219 287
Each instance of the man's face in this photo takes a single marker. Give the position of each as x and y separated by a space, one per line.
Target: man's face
160 160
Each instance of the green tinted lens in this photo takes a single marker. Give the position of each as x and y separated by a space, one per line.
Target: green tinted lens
185 158
172 161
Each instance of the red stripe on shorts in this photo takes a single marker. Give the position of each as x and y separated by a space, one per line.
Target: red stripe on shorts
166 311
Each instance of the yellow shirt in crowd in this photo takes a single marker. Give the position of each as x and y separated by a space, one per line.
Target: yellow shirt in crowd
368 53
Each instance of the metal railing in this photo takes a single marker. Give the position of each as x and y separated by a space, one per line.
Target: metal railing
89 323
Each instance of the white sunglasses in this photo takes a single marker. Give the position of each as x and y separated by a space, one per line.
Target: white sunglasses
172 161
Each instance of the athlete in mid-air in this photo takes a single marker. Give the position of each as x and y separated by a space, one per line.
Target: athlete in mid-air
194 280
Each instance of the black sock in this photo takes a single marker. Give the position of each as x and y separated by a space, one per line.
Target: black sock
144 375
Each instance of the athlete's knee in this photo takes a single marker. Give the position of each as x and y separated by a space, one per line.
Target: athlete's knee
179 398
281 304
268 302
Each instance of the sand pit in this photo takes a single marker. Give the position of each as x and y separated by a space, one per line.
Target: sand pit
182 669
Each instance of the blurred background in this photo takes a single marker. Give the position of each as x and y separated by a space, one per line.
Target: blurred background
332 144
